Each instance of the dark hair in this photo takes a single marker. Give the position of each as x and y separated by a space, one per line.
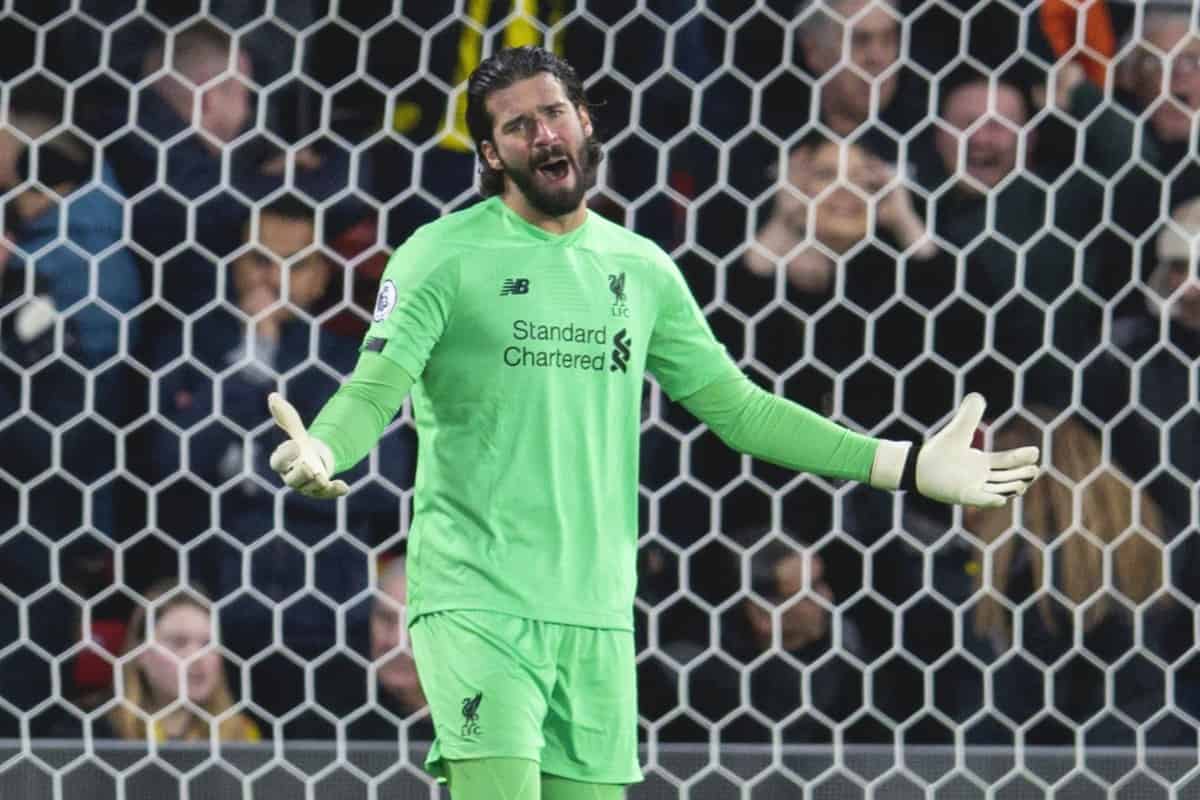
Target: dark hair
188 47
289 206
500 71
1013 78
813 140
768 556
62 159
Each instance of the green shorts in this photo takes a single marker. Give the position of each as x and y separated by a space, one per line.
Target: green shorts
501 686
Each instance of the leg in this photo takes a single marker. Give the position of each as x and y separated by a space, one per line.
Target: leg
556 788
592 720
487 677
493 779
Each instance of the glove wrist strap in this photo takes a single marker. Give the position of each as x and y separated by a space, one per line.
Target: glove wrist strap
908 477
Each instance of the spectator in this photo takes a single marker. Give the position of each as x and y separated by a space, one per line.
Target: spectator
1141 142
847 53
846 231
172 684
1020 241
1082 563
800 656
236 358
65 286
1156 441
192 115
840 219
399 693
157 663
863 93
90 200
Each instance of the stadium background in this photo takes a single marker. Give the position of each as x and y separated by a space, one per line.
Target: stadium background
133 424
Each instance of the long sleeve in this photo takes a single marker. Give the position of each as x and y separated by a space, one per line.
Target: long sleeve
775 429
354 418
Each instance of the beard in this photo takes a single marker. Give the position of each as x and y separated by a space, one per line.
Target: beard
556 201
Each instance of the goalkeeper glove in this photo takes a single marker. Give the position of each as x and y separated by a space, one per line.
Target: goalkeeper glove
304 462
946 468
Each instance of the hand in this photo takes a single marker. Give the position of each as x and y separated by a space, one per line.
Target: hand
255 301
304 462
894 209
949 470
1067 76
790 206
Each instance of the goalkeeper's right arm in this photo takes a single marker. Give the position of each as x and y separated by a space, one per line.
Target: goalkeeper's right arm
345 430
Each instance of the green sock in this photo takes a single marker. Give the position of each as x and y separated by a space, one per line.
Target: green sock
556 788
494 779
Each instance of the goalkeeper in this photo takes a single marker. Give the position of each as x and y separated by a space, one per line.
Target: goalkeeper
523 327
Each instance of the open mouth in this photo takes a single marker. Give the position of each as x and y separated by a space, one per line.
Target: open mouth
555 168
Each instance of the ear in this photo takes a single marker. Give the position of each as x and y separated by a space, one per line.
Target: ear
488 151
585 121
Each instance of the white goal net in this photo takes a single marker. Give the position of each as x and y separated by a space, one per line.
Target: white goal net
881 205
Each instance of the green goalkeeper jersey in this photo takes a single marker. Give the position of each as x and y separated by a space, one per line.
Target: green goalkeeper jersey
529 350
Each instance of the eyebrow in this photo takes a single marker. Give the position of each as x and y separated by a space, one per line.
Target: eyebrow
520 119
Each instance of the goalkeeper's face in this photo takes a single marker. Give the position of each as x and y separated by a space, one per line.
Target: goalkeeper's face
540 142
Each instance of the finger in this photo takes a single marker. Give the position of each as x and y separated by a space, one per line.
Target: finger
314 487
333 490
326 490
962 428
1019 457
286 417
1026 474
298 475
1009 488
284 455
982 498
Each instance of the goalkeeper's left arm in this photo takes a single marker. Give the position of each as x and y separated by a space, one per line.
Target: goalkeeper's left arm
345 430
944 468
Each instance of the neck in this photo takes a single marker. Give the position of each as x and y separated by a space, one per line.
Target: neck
840 119
565 223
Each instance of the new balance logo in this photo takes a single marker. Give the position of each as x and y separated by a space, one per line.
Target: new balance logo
470 712
620 353
514 286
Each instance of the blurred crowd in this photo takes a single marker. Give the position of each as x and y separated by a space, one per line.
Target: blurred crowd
884 203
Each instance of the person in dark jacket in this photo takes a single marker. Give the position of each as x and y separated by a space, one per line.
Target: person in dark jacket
67 287
196 125
1154 420
400 710
1140 143
797 652
1019 242
264 337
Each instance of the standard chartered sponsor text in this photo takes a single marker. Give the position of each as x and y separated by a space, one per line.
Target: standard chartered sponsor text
530 331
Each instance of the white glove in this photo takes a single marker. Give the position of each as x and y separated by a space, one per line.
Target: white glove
946 468
304 462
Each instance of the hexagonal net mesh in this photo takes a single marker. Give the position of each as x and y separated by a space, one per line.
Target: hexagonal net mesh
880 204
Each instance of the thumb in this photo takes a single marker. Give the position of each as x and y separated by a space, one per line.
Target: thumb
961 430
286 417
